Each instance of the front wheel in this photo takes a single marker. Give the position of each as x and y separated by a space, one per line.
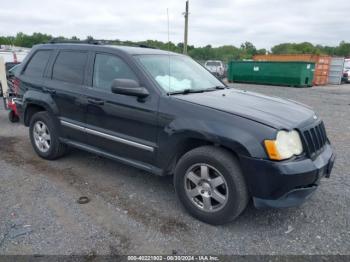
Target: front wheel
210 185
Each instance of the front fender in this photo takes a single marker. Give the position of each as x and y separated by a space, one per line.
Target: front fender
243 137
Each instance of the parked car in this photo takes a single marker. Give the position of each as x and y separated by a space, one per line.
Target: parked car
9 58
346 72
9 66
7 88
216 67
12 91
13 54
10 75
223 146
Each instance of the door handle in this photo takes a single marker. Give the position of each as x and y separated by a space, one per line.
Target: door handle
95 101
48 90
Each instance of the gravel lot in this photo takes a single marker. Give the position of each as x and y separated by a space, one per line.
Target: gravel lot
132 212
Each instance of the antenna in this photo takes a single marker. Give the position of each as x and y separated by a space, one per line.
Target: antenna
167 13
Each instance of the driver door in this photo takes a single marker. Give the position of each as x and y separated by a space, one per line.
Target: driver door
121 125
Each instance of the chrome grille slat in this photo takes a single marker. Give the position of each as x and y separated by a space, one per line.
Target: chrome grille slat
319 135
323 129
315 139
318 138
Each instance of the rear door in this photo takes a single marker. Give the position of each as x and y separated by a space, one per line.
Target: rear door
67 87
121 125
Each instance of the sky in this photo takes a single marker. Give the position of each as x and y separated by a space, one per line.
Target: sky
216 22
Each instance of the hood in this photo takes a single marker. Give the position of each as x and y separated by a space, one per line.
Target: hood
272 111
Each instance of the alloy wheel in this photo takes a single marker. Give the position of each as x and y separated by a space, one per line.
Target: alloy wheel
206 187
41 136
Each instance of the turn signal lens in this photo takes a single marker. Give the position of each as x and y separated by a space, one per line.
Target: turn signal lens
271 149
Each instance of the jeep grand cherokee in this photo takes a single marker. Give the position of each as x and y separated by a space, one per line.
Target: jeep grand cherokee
166 114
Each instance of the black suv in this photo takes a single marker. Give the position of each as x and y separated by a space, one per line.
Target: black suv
166 114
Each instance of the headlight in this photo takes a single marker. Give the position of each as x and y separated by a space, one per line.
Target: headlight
286 145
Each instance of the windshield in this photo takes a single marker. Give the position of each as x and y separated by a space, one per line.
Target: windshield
177 73
212 64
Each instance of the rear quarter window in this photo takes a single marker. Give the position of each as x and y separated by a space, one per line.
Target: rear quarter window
37 64
70 67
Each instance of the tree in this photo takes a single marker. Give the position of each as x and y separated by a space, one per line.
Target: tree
343 49
89 38
262 51
248 50
225 53
298 48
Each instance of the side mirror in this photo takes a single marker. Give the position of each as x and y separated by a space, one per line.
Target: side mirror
128 87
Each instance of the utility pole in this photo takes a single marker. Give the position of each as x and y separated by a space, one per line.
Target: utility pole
186 29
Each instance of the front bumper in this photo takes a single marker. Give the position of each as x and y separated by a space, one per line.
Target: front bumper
286 183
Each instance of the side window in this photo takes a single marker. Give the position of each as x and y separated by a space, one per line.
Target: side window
37 64
70 67
109 67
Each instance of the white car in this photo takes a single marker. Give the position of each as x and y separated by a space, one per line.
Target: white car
346 72
216 67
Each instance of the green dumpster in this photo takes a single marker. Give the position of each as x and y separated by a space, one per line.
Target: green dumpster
298 74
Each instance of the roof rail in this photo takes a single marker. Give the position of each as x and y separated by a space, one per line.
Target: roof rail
128 43
63 41
145 46
95 42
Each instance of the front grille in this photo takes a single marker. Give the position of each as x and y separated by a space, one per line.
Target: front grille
315 139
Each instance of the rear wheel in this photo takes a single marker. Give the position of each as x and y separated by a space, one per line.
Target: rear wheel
44 136
210 185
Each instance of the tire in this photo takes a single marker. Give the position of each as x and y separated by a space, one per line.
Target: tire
52 149
220 163
13 118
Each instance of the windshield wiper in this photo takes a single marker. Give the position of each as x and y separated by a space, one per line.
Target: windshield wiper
214 88
186 91
189 90
219 87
